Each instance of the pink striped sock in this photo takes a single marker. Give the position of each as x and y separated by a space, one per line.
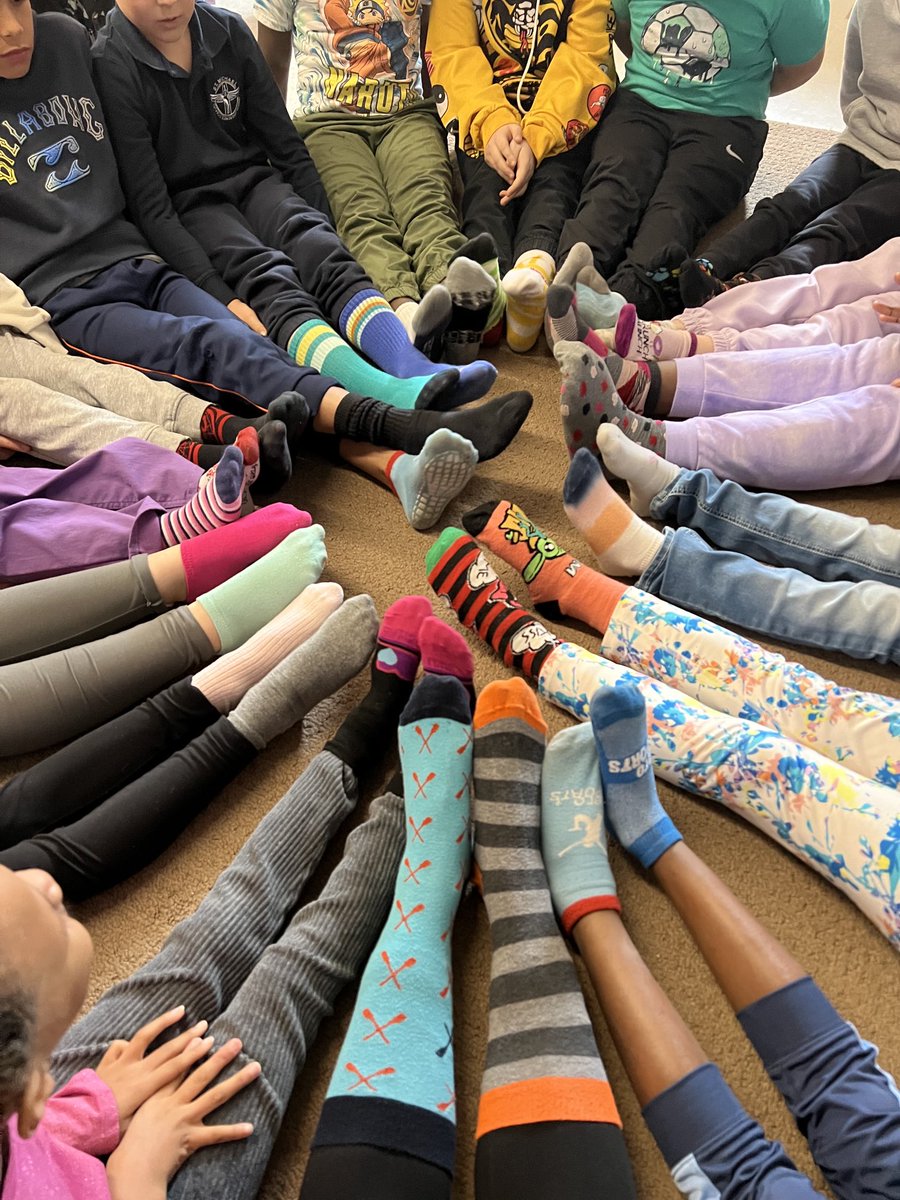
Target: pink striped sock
217 502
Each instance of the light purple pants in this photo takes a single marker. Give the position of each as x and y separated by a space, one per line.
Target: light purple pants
851 438
795 299
102 509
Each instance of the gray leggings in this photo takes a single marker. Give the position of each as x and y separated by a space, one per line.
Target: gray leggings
66 610
64 693
258 970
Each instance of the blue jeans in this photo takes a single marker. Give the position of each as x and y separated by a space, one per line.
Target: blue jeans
834 586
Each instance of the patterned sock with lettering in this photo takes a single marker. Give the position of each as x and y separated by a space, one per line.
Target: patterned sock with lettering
556 581
633 810
651 340
393 1086
573 833
542 1060
370 324
315 344
458 571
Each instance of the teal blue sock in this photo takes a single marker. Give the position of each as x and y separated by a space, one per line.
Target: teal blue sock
573 833
633 810
393 1082
600 309
315 344
426 482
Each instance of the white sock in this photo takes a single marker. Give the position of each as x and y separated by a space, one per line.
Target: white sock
645 472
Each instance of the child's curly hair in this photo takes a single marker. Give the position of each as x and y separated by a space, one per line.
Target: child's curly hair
17 1024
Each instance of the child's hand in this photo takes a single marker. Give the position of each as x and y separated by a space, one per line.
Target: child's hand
133 1076
168 1128
525 167
888 314
246 314
502 151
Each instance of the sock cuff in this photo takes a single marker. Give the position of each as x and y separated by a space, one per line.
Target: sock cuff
391 463
533 1101
588 904
655 841
390 1125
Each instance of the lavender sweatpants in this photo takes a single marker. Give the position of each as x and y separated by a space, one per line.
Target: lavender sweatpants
102 509
851 438
794 299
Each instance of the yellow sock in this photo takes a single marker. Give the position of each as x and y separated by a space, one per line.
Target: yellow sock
526 298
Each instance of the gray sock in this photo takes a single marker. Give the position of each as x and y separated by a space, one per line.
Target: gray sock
578 258
334 654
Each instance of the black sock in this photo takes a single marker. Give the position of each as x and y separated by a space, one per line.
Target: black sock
218 427
490 427
274 459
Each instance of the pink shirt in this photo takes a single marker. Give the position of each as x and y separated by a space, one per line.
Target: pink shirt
59 1161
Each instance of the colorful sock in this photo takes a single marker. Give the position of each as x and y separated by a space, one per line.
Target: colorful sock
426 482
490 427
633 810
406 315
243 604
393 1085
542 1060
446 652
458 571
638 383
525 287
199 454
472 293
573 834
588 397
698 282
564 321
333 655
213 557
315 344
217 502
557 582
247 441
394 667
228 677
432 318
644 471
650 340
622 542
599 308
220 427
368 322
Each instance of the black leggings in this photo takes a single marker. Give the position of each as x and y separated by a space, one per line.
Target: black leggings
107 804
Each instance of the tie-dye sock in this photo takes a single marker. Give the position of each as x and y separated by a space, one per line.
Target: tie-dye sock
623 543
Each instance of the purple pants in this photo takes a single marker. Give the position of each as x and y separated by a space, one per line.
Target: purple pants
104 508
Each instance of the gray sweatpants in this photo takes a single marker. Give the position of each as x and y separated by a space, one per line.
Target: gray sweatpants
65 407
258 970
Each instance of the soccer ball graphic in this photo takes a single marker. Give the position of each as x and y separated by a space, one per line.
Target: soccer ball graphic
688 41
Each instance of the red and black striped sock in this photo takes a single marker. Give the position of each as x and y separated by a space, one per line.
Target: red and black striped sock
220 427
458 570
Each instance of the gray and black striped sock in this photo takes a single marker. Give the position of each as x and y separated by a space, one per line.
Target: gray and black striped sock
542 1059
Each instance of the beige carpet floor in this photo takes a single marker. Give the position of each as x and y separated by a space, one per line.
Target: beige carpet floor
371 549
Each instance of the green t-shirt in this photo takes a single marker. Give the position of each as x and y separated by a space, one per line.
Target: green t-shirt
717 57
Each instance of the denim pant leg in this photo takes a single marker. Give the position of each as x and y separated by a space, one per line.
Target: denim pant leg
775 529
858 619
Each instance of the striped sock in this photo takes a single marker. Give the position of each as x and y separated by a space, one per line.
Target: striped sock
315 344
525 287
393 1083
458 570
542 1060
370 324
217 502
623 543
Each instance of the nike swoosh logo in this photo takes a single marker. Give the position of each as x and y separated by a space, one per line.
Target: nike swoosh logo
729 149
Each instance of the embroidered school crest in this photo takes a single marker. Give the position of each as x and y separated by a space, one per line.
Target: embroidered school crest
226 98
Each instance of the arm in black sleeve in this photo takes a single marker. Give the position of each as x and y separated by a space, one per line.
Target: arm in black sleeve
145 189
267 121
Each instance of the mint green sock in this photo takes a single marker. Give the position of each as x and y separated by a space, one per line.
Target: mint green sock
573 832
315 344
243 604
600 309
